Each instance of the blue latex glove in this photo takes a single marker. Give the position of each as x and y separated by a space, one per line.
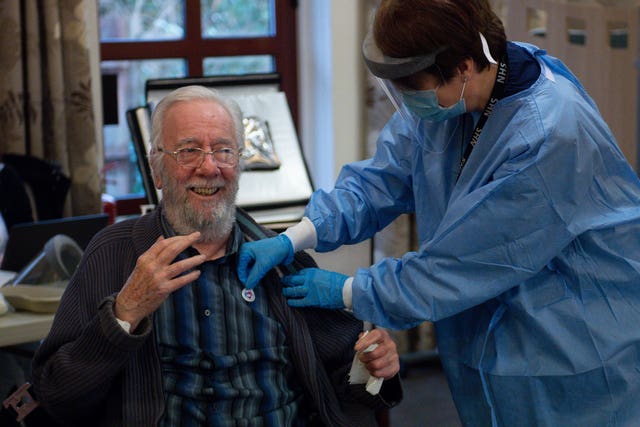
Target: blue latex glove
257 258
314 287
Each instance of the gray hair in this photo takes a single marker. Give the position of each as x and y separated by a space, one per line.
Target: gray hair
191 93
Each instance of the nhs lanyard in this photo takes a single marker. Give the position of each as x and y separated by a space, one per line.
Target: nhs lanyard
496 95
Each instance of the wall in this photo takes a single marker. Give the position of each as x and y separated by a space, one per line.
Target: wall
331 86
331 74
609 74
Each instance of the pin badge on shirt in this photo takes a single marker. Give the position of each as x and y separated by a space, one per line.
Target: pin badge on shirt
248 295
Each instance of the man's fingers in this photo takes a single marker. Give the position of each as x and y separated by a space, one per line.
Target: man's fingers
383 365
166 250
383 360
183 280
386 370
179 267
374 336
176 245
157 261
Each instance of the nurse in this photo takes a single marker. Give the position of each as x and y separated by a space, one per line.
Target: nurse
528 221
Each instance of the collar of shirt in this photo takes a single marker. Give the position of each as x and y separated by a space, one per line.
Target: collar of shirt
523 69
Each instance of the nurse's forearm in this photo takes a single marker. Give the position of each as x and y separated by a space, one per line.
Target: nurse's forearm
302 235
347 293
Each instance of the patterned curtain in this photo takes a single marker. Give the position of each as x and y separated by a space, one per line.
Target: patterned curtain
46 100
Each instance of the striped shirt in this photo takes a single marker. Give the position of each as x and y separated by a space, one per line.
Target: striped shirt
225 361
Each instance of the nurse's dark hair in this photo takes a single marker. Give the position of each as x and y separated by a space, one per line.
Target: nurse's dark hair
405 28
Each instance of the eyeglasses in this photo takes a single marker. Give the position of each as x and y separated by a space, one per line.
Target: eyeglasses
192 157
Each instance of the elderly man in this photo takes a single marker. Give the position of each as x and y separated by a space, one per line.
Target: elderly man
156 329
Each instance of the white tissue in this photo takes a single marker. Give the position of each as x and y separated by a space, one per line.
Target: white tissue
374 384
359 374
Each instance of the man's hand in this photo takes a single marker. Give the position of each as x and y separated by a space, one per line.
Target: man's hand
257 258
155 276
314 287
383 361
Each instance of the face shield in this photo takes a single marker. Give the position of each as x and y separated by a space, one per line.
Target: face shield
386 69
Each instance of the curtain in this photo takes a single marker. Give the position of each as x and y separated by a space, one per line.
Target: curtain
46 96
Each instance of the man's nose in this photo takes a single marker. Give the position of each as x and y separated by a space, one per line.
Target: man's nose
209 162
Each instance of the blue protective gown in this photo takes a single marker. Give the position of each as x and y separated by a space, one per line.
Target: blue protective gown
529 261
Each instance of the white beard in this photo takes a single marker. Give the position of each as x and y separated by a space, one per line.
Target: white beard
214 222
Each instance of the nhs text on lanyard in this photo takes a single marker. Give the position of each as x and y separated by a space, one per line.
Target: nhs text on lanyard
496 95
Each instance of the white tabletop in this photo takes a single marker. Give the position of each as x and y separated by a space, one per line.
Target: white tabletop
21 327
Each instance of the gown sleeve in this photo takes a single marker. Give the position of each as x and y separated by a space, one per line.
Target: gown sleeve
368 195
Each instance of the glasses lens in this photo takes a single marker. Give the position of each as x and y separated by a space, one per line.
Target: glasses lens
193 157
225 158
189 156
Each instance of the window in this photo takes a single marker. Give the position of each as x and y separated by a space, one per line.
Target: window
141 39
537 22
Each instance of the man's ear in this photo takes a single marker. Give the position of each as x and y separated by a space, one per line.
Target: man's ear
156 180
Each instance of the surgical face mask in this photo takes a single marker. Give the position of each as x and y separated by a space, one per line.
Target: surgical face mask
424 104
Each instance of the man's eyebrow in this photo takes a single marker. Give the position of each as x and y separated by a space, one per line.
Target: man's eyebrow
187 140
222 141
213 143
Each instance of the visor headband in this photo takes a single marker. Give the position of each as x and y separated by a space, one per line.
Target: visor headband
387 67
486 51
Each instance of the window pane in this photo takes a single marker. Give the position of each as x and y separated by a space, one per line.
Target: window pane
576 31
237 18
224 65
121 173
141 20
618 35
537 22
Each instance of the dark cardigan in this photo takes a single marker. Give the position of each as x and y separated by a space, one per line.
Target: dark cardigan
88 371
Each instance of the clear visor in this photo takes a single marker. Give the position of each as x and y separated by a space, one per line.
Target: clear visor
419 130
386 69
395 97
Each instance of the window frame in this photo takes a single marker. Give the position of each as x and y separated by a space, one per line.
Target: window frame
193 49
